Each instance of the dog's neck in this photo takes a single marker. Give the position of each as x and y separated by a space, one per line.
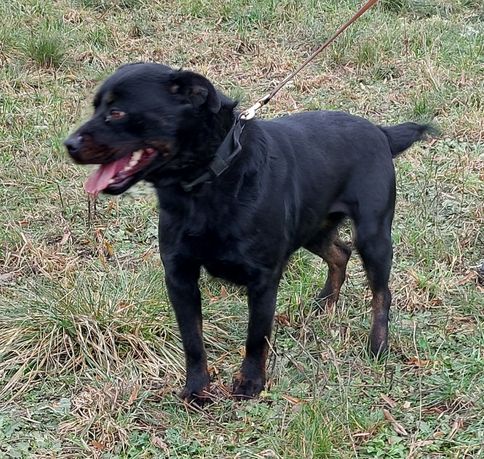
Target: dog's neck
198 145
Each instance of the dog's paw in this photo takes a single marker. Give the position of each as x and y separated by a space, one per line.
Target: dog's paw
246 387
378 349
378 343
197 391
198 399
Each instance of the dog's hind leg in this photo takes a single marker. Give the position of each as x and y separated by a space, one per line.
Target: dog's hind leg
336 254
373 240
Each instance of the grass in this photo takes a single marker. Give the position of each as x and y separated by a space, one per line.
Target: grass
90 358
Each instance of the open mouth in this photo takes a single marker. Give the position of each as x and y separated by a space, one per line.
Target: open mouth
118 173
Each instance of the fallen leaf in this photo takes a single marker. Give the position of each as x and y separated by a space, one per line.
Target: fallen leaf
159 443
98 233
421 443
65 237
456 426
471 276
147 255
108 247
282 319
419 363
98 445
434 410
399 429
292 399
134 394
391 403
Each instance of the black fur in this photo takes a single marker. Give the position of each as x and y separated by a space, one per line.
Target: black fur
297 178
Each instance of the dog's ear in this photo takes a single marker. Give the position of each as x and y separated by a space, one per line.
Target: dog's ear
196 89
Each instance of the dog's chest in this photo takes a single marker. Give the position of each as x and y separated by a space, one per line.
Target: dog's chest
216 237
224 257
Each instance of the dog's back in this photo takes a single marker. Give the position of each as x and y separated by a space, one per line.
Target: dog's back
325 161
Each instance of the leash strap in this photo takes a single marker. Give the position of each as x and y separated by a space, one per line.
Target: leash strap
251 111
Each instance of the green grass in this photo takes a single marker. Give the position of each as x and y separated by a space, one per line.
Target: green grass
90 358
45 47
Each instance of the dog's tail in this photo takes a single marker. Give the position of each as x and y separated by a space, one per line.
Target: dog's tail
402 136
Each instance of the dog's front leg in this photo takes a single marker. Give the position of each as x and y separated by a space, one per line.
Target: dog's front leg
262 303
182 285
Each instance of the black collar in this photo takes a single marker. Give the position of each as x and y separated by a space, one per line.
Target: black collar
228 150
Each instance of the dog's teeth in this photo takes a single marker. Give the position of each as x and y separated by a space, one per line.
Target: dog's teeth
136 156
110 181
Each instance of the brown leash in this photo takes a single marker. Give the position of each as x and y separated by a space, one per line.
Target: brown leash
251 111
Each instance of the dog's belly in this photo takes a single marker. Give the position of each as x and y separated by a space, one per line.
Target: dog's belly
231 271
234 259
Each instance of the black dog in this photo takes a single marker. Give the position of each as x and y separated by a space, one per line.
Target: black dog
294 180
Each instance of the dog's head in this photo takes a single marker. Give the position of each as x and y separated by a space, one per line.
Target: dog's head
143 113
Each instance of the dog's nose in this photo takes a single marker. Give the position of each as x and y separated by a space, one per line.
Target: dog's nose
73 144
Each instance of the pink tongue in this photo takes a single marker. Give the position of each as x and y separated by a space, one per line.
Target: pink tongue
99 179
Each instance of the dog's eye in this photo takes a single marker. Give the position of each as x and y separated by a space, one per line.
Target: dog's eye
115 115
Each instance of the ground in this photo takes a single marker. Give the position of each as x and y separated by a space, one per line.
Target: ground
90 358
